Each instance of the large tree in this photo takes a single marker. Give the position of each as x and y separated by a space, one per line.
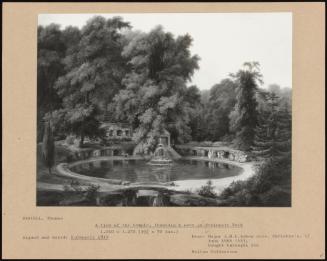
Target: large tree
156 95
284 94
51 51
221 102
95 69
193 97
244 117
200 121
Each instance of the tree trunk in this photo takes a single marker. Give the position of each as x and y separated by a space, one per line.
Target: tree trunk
48 147
81 143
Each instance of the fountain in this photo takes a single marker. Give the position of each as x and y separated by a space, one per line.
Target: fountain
161 156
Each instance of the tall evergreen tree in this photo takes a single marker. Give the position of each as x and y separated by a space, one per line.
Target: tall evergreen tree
244 117
273 134
48 147
265 132
284 133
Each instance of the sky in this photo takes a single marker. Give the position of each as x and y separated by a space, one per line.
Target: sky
223 41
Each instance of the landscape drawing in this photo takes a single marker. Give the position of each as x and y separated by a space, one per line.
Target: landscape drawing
161 110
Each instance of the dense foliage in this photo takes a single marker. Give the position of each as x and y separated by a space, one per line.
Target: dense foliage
106 68
51 52
213 121
273 133
93 70
244 117
271 184
155 91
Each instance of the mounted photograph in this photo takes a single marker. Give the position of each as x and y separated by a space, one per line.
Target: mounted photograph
164 110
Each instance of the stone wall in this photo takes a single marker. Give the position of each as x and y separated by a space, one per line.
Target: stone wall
91 153
214 153
115 131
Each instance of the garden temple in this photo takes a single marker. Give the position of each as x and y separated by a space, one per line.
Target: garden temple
117 131
124 132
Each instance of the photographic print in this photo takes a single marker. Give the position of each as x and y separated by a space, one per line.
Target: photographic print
164 110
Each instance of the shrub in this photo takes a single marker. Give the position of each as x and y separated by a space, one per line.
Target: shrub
207 190
91 192
67 188
70 158
207 143
243 197
261 189
70 140
233 188
76 186
276 196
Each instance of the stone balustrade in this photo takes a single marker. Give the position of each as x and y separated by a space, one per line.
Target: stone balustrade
90 153
223 153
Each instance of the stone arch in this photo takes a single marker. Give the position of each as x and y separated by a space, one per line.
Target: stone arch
116 152
119 132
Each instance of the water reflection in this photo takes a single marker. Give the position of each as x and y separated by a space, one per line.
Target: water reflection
140 171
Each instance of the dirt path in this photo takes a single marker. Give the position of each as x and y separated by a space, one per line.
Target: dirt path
219 184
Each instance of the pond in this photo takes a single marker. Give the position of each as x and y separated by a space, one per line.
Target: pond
141 171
